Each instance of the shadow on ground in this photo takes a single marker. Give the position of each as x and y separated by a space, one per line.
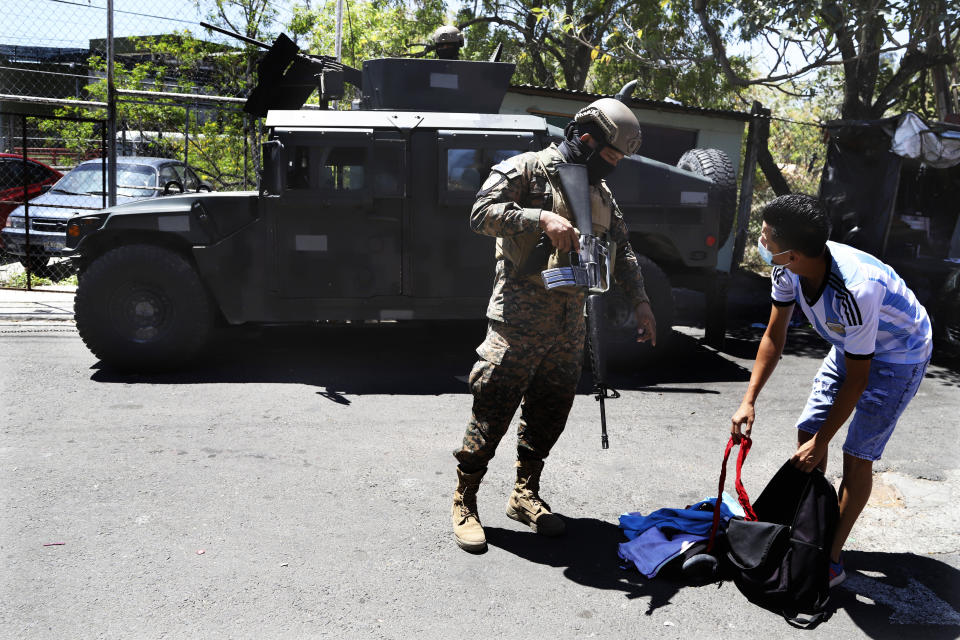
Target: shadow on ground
405 359
588 552
900 595
887 595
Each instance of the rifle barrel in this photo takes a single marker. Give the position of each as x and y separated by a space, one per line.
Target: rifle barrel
232 34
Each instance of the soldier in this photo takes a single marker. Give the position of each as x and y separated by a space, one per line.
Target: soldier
447 41
534 344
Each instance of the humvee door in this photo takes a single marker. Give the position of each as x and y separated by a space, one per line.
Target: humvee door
338 220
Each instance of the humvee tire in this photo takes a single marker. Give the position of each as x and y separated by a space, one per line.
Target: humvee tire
658 288
946 317
142 307
620 332
715 165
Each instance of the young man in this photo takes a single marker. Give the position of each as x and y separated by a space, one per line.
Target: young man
881 341
534 346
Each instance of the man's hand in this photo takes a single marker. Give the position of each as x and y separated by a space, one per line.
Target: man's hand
561 232
745 415
808 455
646 324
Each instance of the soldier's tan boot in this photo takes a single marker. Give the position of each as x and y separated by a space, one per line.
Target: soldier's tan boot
466 521
526 505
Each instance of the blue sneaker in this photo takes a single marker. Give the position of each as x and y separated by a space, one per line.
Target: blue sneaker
837 574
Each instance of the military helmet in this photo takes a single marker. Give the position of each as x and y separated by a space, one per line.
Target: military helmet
617 122
447 34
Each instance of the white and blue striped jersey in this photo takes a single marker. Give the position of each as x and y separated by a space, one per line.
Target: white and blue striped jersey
863 308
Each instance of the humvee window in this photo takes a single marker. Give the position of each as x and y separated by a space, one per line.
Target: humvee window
298 169
343 169
466 168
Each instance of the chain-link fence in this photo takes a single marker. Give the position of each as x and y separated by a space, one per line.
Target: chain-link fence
177 96
43 182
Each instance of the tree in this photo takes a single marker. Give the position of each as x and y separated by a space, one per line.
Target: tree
602 44
218 140
863 37
250 18
371 29
215 134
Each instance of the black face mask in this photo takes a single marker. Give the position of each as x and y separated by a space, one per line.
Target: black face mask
575 150
598 168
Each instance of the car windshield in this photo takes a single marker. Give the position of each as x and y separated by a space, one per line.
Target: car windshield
133 181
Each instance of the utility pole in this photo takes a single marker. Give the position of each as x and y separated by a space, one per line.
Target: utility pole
339 28
111 113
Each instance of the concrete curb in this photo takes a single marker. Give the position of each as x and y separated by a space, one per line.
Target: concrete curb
18 305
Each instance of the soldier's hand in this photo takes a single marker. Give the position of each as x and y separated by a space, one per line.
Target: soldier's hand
561 232
646 324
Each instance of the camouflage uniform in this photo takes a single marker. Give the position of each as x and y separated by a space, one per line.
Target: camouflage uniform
534 345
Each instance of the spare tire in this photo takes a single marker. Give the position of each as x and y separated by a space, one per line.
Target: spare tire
715 166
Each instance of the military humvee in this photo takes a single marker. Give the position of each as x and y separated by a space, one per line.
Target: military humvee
361 215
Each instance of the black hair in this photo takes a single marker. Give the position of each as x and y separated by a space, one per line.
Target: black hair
798 222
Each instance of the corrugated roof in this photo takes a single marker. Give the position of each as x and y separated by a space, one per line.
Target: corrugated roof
638 103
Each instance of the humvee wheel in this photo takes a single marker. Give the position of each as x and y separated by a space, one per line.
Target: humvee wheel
142 307
715 165
619 336
657 285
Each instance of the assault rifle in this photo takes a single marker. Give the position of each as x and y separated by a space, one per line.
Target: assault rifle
590 267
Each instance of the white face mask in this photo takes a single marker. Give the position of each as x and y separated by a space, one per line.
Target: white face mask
767 256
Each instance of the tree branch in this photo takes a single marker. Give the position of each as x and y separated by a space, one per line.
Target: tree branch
911 63
716 44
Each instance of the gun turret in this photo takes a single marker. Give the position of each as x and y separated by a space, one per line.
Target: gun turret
286 76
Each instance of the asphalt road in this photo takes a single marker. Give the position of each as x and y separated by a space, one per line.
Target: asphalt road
298 485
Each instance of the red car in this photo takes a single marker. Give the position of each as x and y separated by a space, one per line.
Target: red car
12 179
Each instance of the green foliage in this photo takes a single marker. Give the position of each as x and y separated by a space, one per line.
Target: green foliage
215 135
885 45
371 29
374 29
798 147
655 43
17 279
596 45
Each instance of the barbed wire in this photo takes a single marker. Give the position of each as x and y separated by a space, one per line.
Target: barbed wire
803 122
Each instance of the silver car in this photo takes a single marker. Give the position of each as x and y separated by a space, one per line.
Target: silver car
81 190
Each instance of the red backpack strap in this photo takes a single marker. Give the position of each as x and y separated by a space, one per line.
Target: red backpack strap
744 499
745 444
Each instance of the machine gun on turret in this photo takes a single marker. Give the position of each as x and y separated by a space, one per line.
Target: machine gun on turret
286 76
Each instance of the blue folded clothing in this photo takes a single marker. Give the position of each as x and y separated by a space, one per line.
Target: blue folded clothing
657 538
655 547
697 518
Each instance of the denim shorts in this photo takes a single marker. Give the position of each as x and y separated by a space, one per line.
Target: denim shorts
890 387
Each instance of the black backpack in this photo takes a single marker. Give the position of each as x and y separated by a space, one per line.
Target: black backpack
781 560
